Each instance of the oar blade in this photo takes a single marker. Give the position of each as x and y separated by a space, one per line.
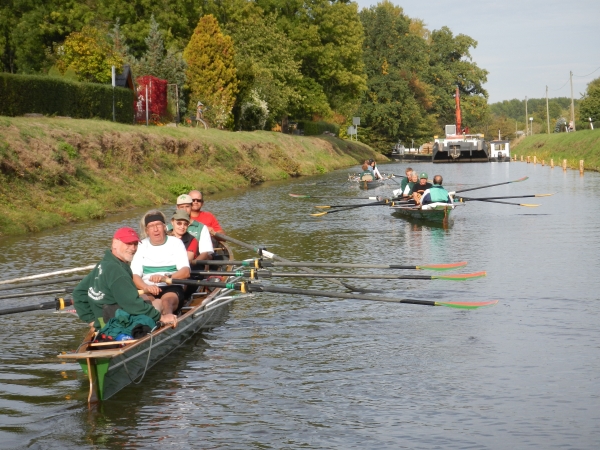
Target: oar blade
544 195
528 205
467 305
319 214
461 277
520 179
442 266
299 196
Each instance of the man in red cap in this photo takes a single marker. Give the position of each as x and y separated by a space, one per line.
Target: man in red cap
109 285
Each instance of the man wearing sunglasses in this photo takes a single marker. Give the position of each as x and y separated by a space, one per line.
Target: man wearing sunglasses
203 217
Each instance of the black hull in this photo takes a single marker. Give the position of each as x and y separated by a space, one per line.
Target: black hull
461 152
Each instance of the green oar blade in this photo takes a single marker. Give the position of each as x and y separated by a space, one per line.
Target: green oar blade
442 266
460 277
467 305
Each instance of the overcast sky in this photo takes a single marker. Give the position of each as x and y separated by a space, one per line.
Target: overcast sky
523 44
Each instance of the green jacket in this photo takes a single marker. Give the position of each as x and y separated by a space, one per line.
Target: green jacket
109 283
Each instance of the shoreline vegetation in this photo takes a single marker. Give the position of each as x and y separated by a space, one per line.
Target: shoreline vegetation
54 171
583 144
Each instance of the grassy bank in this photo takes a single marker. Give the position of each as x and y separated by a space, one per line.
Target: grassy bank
54 171
584 144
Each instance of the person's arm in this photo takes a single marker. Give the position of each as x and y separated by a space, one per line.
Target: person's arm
81 301
181 260
146 288
129 300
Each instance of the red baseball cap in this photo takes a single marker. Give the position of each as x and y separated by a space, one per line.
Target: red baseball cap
126 235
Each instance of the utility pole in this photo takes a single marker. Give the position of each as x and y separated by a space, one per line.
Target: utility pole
547 111
572 105
526 119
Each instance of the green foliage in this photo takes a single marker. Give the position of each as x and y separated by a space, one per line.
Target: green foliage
89 54
590 105
211 74
180 188
22 94
265 67
316 128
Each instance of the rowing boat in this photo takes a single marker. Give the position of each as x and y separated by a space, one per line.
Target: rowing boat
111 369
433 212
367 182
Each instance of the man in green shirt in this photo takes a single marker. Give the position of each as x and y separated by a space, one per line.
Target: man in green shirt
111 283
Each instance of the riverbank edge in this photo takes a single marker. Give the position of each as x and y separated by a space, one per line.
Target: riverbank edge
54 171
580 145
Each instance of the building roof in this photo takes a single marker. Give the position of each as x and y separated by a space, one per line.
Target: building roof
125 78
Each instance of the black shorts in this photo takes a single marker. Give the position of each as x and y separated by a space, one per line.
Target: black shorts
177 289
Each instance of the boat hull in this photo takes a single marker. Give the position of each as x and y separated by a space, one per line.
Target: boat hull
112 368
439 214
367 185
457 151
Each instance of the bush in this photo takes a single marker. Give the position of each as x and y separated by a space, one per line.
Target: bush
23 94
315 128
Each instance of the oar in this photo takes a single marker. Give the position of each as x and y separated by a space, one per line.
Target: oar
258 274
491 185
258 263
349 208
249 287
57 304
51 274
529 205
266 254
31 294
333 196
42 283
387 200
507 196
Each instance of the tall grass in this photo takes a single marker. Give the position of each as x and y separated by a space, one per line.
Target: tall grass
54 171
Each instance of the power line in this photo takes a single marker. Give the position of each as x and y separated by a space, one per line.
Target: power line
561 86
583 76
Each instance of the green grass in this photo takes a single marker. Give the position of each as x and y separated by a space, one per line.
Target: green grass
84 169
580 145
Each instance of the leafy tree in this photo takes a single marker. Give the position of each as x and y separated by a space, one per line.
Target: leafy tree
89 54
451 65
165 64
398 102
590 105
266 68
211 74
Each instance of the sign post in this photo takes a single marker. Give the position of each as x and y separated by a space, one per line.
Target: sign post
114 83
356 123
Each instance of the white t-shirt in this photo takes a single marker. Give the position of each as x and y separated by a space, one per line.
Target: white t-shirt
162 259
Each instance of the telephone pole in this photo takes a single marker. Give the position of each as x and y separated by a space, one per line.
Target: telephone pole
526 119
572 105
547 111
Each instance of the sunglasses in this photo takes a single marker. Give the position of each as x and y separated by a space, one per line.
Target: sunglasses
182 222
197 200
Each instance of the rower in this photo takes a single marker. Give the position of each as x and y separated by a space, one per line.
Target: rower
204 217
195 228
109 286
413 178
366 174
406 179
375 170
159 259
436 193
180 222
419 188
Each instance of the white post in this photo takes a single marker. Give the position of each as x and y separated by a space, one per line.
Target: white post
146 105
114 82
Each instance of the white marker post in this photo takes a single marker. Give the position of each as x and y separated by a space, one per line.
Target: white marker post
114 83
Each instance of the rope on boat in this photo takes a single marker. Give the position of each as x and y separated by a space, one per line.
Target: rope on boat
147 361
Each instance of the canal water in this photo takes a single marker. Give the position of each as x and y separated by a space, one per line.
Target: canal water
308 372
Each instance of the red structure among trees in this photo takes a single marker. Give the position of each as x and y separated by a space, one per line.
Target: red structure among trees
156 103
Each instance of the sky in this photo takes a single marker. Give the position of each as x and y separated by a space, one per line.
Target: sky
525 45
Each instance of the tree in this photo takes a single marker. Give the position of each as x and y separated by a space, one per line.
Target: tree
398 101
211 74
266 68
590 105
450 66
89 53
